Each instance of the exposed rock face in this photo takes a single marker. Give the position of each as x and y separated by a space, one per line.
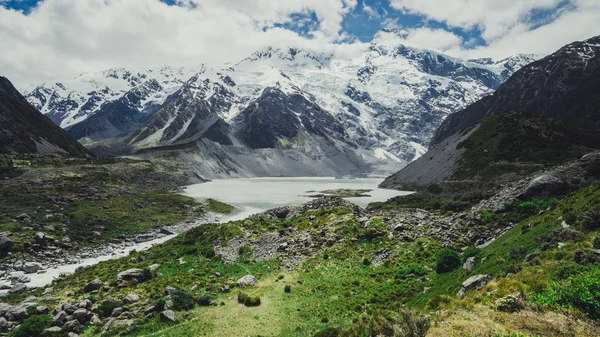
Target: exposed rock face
130 274
545 186
246 281
563 86
23 129
474 283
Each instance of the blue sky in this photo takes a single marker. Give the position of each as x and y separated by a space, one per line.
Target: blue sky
61 38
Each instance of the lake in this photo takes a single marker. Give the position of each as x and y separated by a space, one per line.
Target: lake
255 195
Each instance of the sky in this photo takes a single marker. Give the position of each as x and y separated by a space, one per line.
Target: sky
50 40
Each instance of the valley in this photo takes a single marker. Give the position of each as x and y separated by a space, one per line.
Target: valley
385 190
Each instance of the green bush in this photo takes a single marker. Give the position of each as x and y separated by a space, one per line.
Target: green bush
470 252
400 324
252 301
182 299
242 297
287 289
146 274
580 291
447 260
414 269
205 300
32 326
366 261
160 303
106 308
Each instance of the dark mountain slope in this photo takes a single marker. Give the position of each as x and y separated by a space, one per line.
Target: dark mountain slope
500 147
564 86
23 129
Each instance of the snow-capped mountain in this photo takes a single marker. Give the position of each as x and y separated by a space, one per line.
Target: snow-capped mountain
72 101
377 110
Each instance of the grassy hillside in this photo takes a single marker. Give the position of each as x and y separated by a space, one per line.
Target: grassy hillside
338 277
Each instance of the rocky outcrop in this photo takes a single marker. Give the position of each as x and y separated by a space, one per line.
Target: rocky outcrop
476 282
246 281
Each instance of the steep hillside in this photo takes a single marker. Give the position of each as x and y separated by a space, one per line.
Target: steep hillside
502 146
562 86
24 130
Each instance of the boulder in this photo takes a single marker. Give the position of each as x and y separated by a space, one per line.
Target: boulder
82 316
6 245
31 267
19 277
53 331
469 263
246 281
594 156
68 308
544 186
72 326
116 312
131 298
167 316
93 285
85 304
60 318
130 275
474 283
40 238
3 324
17 289
154 267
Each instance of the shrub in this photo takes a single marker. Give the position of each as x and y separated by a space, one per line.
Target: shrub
182 299
205 300
209 253
324 320
439 301
578 291
447 260
435 189
252 301
146 274
242 297
597 242
366 261
160 303
106 308
32 326
470 252
287 289
329 332
412 269
509 304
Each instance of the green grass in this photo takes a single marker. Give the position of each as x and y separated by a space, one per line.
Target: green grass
219 207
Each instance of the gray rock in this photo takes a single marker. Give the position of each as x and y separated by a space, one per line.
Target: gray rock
469 263
6 245
3 324
116 312
53 331
474 283
590 157
72 326
246 281
68 308
60 318
82 315
130 274
40 239
168 316
225 288
72 334
19 311
31 267
19 277
17 289
544 186
169 290
131 298
93 285
4 308
154 267
85 304
531 256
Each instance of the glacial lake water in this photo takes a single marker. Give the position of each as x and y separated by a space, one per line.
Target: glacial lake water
255 195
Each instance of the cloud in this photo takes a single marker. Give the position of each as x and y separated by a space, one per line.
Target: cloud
62 38
509 27
423 37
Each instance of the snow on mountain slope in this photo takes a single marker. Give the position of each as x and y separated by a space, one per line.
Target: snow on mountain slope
72 101
388 101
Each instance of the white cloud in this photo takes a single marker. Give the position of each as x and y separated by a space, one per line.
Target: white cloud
508 26
61 38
